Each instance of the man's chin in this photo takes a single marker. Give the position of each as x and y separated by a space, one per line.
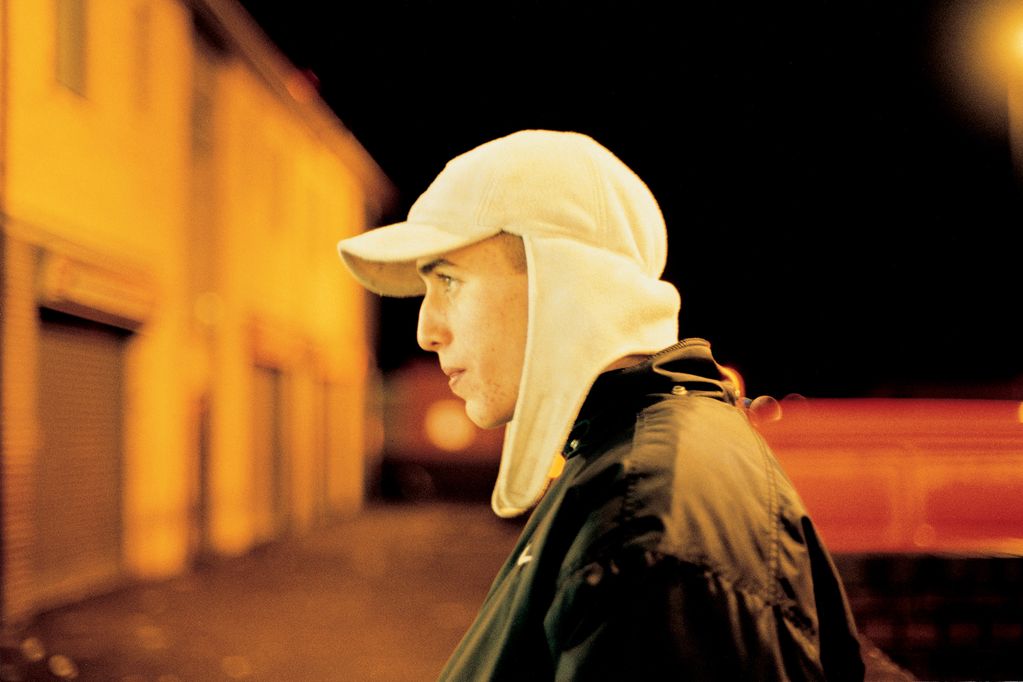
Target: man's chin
485 420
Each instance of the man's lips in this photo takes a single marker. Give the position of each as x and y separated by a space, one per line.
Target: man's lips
453 376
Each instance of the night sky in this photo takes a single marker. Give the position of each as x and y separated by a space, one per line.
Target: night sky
841 202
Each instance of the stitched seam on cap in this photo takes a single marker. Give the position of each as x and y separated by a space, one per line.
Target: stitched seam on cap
599 197
485 199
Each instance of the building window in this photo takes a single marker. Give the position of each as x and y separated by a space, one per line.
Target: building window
204 84
71 44
143 53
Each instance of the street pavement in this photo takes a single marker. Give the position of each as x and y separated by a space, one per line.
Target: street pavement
381 597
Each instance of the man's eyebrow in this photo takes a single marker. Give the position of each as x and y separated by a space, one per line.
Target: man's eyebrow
426 268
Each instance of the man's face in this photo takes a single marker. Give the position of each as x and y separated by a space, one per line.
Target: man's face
474 318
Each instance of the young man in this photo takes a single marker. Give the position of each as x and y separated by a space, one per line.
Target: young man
671 545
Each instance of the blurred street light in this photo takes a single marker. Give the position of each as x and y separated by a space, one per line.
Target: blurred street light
1014 72
979 48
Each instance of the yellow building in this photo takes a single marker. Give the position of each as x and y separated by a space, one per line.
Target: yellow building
183 362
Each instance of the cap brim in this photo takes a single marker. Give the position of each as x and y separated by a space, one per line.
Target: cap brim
384 259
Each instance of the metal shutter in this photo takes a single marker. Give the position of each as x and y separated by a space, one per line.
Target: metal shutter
78 471
269 471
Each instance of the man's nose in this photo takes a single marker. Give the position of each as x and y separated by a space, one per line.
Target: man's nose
432 332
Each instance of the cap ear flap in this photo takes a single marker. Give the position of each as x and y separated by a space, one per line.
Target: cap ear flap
597 307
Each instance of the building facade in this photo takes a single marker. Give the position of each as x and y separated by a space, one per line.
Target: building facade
184 365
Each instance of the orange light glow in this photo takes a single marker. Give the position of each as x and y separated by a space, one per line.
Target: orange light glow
907 475
301 85
557 466
447 427
979 50
423 423
735 378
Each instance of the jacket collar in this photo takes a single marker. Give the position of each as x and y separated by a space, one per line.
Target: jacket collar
685 368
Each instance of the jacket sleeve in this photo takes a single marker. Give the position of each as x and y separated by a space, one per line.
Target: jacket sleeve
659 618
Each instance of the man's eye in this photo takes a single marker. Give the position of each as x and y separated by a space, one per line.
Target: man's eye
446 281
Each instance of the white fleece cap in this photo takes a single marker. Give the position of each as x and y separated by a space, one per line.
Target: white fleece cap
596 246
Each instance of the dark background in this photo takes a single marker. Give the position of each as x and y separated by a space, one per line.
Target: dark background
837 182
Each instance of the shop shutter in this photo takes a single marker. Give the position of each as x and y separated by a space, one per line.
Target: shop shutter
269 473
78 471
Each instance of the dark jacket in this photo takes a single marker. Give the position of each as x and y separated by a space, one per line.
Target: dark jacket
672 546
